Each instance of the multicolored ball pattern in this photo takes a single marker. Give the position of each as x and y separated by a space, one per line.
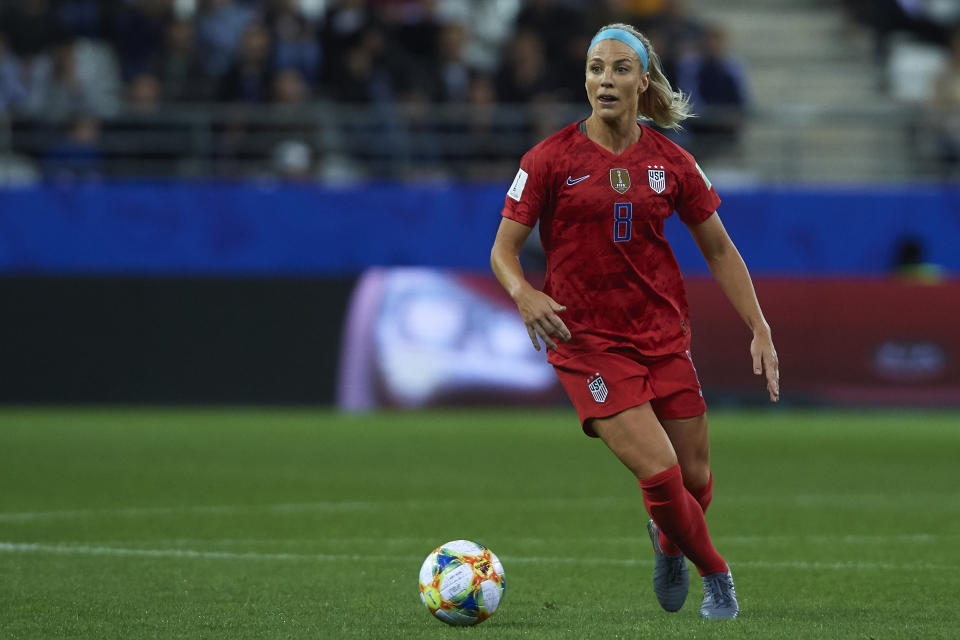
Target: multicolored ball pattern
462 583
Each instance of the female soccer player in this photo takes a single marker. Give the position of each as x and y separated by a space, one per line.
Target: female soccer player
613 309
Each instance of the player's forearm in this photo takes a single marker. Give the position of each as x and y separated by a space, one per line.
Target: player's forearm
505 264
731 274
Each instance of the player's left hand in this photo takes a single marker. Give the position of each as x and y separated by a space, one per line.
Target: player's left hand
765 360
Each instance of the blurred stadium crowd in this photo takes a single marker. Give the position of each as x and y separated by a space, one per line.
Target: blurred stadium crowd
75 71
918 39
235 88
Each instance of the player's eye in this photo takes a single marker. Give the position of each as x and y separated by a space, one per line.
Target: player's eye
595 68
623 69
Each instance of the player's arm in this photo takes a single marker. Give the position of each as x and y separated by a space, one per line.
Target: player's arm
538 310
731 273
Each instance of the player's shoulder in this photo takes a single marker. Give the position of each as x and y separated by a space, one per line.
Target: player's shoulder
667 146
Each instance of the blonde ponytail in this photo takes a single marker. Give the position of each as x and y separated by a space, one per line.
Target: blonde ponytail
659 104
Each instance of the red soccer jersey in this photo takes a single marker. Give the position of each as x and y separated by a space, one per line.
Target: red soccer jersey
601 224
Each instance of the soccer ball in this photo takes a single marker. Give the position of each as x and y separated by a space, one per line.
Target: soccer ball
461 583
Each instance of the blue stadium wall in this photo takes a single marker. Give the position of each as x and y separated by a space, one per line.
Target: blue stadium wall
173 292
249 230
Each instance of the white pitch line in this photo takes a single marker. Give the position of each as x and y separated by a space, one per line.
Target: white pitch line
227 510
913 538
932 502
79 549
642 540
525 541
338 506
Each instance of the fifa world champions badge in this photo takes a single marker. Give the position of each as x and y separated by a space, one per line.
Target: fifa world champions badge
598 389
620 180
657 177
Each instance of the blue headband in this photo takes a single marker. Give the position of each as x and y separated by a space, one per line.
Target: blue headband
626 38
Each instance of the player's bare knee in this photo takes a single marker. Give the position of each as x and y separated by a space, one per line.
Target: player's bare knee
696 473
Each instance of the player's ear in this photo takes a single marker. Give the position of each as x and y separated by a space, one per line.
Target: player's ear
644 82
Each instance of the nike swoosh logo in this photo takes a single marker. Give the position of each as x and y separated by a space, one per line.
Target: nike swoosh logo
571 181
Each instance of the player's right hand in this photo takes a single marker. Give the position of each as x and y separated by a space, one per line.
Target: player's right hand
539 312
765 360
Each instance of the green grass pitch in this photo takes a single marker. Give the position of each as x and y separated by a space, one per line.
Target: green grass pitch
303 523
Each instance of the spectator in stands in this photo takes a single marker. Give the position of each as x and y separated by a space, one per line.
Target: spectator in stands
481 123
31 25
220 28
250 78
411 27
677 30
295 43
669 65
139 31
292 161
246 143
482 95
344 26
17 171
524 74
887 17
290 88
565 37
85 18
180 67
641 12
289 153
12 91
454 84
717 85
411 140
946 110
290 96
79 155
144 94
163 141
364 76
78 75
489 24
644 9
910 263
412 34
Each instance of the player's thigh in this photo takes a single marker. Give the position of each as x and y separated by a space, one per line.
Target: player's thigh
691 442
637 438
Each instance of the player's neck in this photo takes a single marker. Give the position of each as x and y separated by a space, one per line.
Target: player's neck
616 137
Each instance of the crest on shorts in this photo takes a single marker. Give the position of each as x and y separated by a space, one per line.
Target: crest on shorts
620 180
598 389
657 177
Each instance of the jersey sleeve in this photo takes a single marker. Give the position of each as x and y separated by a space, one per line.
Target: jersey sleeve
697 199
527 195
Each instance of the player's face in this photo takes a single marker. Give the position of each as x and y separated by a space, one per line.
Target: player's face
615 80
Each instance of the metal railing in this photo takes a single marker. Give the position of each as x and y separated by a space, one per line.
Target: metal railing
334 142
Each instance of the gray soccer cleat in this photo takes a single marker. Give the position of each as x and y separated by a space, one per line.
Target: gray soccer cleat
671 577
719 596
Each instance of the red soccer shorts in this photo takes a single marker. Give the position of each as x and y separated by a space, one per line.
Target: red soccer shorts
603 384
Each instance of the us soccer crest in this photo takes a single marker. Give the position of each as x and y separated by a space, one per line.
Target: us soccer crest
620 180
598 389
657 177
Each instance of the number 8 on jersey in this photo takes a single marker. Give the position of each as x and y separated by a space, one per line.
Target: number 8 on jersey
622 221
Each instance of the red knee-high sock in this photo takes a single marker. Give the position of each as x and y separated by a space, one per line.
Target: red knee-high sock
680 517
703 496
